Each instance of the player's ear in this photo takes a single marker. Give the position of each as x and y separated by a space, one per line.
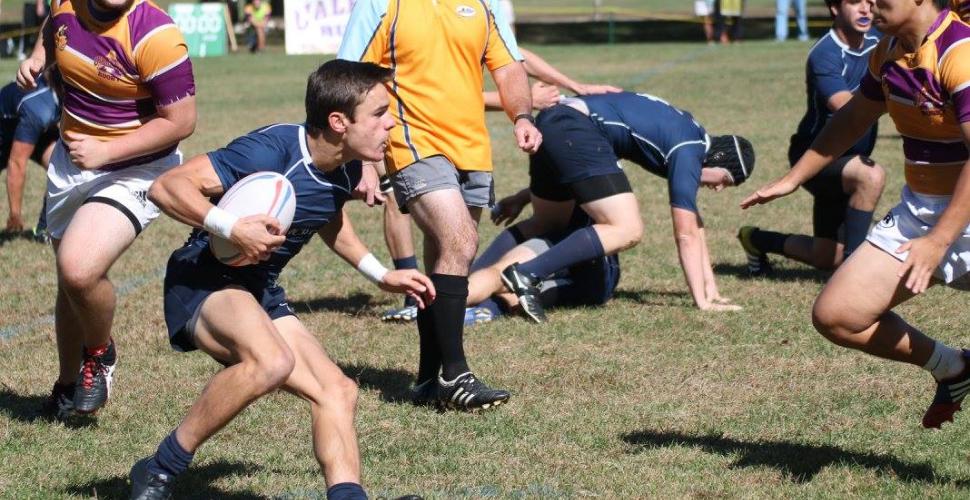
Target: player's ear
338 122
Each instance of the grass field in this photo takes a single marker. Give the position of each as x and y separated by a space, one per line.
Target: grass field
646 397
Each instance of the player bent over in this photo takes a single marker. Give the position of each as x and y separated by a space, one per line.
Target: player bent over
925 239
28 131
239 315
128 99
847 190
577 165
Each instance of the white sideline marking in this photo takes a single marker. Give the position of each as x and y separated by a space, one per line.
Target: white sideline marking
123 288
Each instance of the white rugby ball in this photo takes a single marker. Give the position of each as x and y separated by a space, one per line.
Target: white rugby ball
266 193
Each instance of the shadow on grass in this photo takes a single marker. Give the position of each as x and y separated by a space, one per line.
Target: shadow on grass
779 274
800 462
393 383
653 298
354 304
27 408
8 236
195 483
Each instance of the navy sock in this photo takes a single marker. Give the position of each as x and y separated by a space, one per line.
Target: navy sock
407 263
505 241
346 491
856 228
769 241
582 245
171 458
493 307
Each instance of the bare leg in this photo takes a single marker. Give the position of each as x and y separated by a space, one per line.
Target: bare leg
397 231
448 225
618 222
232 327
333 403
854 309
69 336
97 235
864 182
488 281
821 253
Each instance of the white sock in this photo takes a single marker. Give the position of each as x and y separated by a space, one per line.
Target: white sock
945 362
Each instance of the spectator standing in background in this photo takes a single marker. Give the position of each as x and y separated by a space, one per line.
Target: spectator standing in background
781 19
257 15
723 10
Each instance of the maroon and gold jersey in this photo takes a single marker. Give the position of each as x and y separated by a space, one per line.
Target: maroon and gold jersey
117 73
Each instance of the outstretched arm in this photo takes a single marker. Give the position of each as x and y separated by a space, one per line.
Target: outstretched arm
541 70
340 236
16 175
845 128
692 251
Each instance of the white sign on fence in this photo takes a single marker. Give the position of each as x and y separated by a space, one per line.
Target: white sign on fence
315 26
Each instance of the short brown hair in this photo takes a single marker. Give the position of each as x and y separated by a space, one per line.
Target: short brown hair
340 85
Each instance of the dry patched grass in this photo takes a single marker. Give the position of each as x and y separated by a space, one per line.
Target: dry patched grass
645 397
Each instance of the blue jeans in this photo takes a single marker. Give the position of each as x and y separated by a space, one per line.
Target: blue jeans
781 19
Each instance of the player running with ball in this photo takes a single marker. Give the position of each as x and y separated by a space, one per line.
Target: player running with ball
920 75
239 315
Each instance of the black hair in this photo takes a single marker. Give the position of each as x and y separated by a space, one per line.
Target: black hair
340 85
732 153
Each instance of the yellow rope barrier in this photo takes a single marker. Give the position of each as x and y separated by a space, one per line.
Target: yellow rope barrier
14 33
628 13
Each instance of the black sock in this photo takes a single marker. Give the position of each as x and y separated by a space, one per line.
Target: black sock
769 241
856 228
448 315
429 355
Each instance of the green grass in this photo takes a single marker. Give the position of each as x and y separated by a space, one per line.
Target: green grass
645 397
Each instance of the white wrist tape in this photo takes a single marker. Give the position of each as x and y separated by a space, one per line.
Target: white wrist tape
371 268
219 222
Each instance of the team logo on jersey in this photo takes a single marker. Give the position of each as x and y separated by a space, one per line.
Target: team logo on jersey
930 104
465 11
108 66
60 38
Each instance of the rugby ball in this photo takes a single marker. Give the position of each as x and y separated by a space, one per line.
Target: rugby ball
267 193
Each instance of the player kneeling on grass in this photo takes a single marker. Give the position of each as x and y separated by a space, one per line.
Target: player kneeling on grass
239 315
847 190
577 165
925 239
589 283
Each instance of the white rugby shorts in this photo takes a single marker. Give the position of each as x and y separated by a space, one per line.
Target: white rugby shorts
69 187
913 217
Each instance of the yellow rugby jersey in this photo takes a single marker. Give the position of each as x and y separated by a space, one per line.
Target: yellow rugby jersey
437 49
117 72
927 96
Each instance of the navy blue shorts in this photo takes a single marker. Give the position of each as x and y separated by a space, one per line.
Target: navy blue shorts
573 150
589 283
193 274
